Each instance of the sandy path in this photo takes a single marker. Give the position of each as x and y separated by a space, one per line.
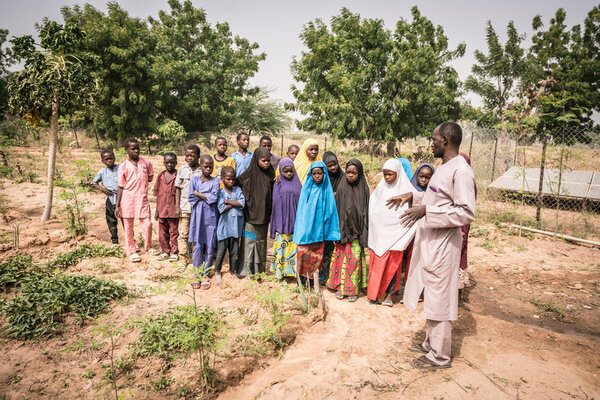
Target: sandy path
360 352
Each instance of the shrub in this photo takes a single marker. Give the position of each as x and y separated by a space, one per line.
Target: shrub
71 258
43 303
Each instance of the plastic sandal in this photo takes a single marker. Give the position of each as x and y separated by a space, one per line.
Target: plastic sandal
135 257
174 257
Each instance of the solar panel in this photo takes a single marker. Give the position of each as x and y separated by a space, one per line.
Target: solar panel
574 184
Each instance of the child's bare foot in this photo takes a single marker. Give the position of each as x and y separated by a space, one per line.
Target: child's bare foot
219 278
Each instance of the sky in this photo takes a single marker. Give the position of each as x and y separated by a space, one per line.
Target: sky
276 24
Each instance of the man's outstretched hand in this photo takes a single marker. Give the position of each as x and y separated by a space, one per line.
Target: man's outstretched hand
412 215
399 201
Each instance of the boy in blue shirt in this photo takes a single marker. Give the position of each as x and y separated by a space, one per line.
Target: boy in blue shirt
231 222
109 176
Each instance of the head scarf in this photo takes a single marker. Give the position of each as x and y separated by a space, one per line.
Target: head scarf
335 179
257 187
316 219
415 179
385 231
468 160
285 201
352 200
407 167
302 162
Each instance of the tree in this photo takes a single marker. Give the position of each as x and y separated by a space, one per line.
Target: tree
496 74
53 77
125 104
359 80
560 83
256 113
199 71
5 62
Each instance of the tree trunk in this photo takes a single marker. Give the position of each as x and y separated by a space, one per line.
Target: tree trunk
76 138
51 156
391 149
97 140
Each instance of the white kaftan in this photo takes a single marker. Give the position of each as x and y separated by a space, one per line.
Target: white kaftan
450 204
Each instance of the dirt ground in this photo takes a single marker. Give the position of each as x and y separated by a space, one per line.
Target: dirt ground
529 327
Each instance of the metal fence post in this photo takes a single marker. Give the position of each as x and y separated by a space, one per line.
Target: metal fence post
281 145
538 210
471 144
560 173
494 160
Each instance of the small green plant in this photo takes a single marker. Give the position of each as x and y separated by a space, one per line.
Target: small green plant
72 257
42 305
107 328
15 378
160 384
182 332
89 374
548 307
521 248
18 270
74 205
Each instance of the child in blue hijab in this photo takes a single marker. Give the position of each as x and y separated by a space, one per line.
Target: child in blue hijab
406 165
316 221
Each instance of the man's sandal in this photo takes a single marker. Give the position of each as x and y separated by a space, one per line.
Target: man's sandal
135 257
417 348
425 363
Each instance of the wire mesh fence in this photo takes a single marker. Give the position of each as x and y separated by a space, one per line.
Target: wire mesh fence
549 182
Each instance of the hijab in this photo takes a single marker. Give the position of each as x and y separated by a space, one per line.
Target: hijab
468 160
285 201
415 179
335 179
257 187
385 231
407 167
302 162
352 200
316 219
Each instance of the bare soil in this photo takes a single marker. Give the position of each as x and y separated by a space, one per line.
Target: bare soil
529 327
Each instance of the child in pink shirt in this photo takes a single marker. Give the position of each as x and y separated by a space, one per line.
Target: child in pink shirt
132 197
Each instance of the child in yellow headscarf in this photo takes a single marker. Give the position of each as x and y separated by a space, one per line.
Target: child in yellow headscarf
308 154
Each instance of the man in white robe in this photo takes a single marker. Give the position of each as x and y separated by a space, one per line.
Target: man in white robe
447 204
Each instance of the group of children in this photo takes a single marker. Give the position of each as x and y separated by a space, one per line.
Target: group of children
323 219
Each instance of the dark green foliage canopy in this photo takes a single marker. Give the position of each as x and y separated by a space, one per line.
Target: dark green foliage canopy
359 80
496 74
56 69
199 72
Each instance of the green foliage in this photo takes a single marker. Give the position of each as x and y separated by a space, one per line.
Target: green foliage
18 270
55 71
199 71
179 332
274 300
71 258
42 304
74 206
359 80
123 47
170 135
256 113
160 384
496 73
548 307
561 81
5 62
